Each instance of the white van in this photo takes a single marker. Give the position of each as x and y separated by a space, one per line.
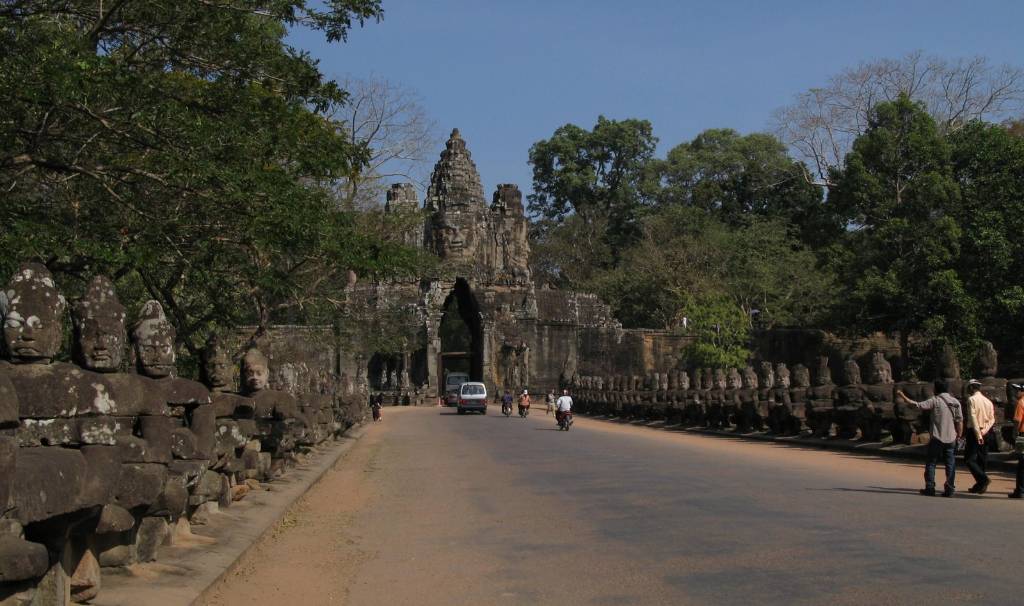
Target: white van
472 397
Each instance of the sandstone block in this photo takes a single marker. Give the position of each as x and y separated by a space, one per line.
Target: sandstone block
48 391
184 444
172 500
183 392
103 473
48 432
238 492
104 429
152 533
141 484
133 449
114 518
8 401
47 482
204 512
137 395
158 431
233 405
204 425
228 437
8 464
85 580
21 560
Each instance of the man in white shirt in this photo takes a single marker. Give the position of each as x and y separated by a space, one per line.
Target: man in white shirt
979 419
563 406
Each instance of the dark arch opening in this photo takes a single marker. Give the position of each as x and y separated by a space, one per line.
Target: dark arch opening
461 332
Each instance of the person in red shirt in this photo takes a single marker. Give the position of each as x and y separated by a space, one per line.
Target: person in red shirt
1018 445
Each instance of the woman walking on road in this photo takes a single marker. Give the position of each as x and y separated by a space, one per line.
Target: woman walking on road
550 401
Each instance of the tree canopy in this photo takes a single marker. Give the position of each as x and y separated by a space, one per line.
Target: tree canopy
185 149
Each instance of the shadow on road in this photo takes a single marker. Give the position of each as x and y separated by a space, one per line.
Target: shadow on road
906 491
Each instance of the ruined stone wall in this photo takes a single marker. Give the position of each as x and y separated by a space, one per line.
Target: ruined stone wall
99 468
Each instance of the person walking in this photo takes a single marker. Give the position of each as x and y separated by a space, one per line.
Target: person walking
550 401
376 406
947 425
979 419
1018 442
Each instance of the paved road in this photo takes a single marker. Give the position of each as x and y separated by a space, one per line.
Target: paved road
435 508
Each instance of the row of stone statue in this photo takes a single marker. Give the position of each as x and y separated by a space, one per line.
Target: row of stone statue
787 402
100 467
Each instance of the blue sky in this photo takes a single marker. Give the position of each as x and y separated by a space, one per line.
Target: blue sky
509 73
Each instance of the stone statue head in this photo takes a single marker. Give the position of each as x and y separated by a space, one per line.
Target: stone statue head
255 370
782 378
824 376
706 378
99 323
153 342
720 381
881 370
32 312
733 379
767 375
801 376
683 382
988 359
217 366
749 378
852 371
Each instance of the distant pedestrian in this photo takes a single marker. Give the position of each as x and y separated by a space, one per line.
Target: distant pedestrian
550 401
376 406
947 426
1018 443
979 419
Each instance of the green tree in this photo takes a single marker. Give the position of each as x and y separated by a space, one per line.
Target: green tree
898 198
184 148
737 176
597 175
988 164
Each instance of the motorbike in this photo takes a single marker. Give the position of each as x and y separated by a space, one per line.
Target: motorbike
523 411
506 409
565 421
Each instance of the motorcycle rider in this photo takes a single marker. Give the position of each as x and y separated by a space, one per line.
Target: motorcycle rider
563 407
523 401
506 402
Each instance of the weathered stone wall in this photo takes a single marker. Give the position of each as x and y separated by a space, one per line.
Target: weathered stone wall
99 467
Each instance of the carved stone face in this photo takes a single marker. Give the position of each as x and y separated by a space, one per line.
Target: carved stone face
801 376
684 380
749 378
255 370
451 242
99 321
734 380
852 371
824 376
706 379
217 366
719 381
153 340
767 376
881 370
32 311
782 378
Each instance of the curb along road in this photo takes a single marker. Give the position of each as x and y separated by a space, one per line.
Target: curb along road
190 573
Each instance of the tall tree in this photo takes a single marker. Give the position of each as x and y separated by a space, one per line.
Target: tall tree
184 148
988 164
597 175
739 176
898 197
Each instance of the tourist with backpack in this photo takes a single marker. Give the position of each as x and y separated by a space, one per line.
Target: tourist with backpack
947 427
